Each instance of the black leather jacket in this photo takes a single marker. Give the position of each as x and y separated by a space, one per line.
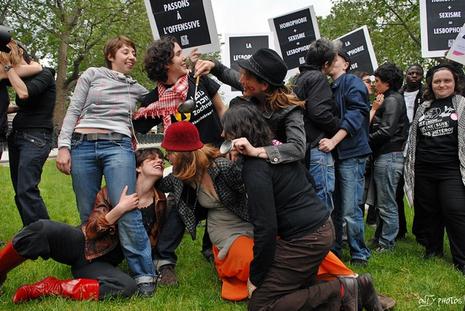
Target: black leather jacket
389 130
321 113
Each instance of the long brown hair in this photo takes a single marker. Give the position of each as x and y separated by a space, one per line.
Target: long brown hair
278 97
15 56
190 165
282 97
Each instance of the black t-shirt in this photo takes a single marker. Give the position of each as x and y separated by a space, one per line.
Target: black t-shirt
204 117
36 111
437 133
4 102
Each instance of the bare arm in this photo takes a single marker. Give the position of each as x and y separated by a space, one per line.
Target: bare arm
328 144
220 107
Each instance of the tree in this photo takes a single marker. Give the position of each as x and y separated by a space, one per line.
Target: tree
394 27
70 34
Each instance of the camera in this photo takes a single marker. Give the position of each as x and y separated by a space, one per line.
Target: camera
5 38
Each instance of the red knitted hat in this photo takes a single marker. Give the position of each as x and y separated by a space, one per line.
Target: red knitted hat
181 136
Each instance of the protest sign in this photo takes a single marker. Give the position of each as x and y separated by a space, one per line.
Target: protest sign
457 51
357 44
242 47
191 22
293 34
440 21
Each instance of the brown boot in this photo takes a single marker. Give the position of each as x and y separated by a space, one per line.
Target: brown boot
77 289
9 259
168 276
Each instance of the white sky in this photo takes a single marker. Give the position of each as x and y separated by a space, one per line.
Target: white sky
251 16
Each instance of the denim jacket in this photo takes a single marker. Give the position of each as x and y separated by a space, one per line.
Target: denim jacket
354 107
101 237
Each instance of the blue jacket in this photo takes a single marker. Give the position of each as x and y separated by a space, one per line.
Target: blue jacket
354 108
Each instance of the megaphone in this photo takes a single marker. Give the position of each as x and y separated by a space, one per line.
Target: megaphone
5 38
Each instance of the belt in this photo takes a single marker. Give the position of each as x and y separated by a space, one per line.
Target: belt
98 136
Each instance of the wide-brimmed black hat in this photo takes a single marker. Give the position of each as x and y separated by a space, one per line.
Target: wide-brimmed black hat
267 65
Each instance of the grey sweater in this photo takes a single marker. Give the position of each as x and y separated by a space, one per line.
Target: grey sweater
103 99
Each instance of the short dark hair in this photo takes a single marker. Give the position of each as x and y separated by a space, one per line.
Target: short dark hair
113 45
243 119
415 65
148 153
428 93
391 74
319 52
158 57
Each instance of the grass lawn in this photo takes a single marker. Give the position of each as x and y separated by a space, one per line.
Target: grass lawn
414 283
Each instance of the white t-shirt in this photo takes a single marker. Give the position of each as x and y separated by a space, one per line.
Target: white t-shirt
410 103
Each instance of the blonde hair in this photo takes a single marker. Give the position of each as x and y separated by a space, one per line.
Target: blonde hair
190 165
15 56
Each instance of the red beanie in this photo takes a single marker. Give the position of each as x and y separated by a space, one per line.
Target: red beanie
181 136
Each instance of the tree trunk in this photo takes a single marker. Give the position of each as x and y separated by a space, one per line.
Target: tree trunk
62 89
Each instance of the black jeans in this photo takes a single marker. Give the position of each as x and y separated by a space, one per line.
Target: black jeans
65 244
440 202
28 150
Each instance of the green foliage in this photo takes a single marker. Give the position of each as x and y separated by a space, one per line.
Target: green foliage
401 274
394 27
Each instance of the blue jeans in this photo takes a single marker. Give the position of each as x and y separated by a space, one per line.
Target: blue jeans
28 150
322 171
387 173
114 159
348 195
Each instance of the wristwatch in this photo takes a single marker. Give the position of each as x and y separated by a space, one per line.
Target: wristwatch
7 67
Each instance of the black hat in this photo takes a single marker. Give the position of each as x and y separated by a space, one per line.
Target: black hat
450 66
5 38
344 55
267 65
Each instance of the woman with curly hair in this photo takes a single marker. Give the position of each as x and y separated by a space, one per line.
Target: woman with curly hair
388 134
261 80
165 64
435 164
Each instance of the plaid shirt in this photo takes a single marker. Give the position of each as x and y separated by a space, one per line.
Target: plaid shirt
227 180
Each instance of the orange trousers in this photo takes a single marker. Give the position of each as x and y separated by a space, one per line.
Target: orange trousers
234 269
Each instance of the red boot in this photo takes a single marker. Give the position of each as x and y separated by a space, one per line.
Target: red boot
77 289
9 259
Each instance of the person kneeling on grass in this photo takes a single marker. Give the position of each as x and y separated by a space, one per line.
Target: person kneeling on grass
93 251
293 231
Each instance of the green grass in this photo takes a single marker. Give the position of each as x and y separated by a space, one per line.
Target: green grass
401 274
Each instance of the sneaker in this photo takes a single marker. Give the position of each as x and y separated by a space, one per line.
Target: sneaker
168 276
381 249
350 295
146 289
367 293
359 262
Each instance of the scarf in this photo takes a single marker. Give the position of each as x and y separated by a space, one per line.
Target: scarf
168 101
